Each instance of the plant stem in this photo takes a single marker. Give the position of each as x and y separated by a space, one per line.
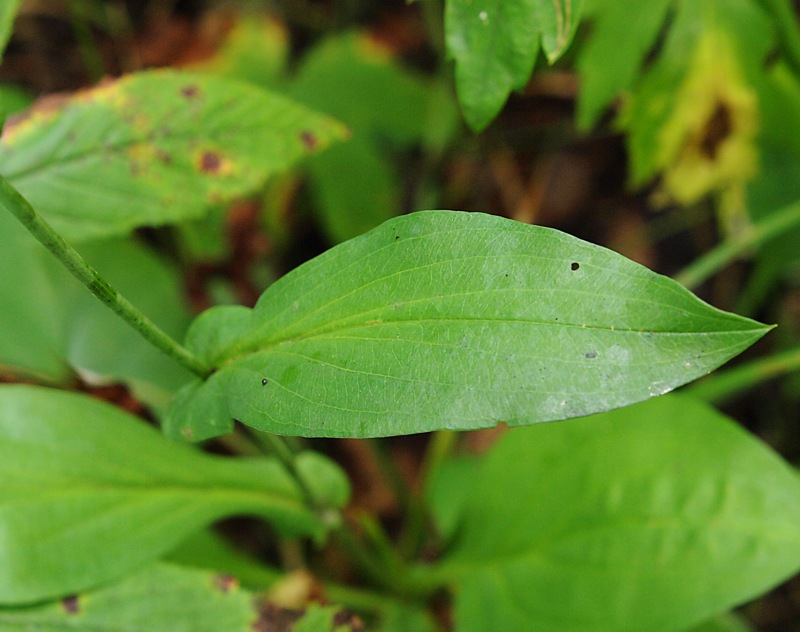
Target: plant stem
717 258
18 206
725 384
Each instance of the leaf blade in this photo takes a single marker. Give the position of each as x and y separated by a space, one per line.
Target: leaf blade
103 161
90 493
458 320
655 516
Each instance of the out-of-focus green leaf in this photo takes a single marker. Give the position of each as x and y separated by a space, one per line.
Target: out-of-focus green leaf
355 79
622 34
651 517
159 597
355 188
32 316
694 115
8 11
153 148
89 493
319 618
255 50
12 100
208 550
51 326
727 622
494 44
453 320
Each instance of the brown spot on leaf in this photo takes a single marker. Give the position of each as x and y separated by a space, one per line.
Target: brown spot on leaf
225 583
164 156
210 162
718 127
190 91
309 140
71 605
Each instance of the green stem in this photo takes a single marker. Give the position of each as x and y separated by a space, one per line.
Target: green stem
786 23
725 384
717 258
50 239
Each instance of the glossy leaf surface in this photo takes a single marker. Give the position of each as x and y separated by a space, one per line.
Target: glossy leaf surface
450 320
651 517
494 44
154 148
159 597
89 493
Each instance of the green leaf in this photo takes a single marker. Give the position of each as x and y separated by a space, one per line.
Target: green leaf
50 325
727 622
651 517
89 493
153 148
352 77
159 597
494 44
453 320
694 115
606 67
8 11
208 550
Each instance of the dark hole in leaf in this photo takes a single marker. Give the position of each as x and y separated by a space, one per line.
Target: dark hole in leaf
575 265
225 583
70 604
718 128
210 162
264 382
190 92
590 355
309 140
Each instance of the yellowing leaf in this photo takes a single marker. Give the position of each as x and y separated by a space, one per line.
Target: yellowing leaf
707 144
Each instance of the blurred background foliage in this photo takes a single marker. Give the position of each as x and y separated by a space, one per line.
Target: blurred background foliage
664 129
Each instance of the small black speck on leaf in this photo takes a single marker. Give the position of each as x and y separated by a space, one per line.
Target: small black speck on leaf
575 265
590 355
397 236
264 382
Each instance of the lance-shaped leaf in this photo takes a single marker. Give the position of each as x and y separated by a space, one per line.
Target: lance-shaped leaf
494 44
153 148
455 320
89 493
651 517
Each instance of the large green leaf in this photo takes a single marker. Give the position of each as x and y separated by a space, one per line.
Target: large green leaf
450 320
494 44
89 493
153 148
159 597
652 517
